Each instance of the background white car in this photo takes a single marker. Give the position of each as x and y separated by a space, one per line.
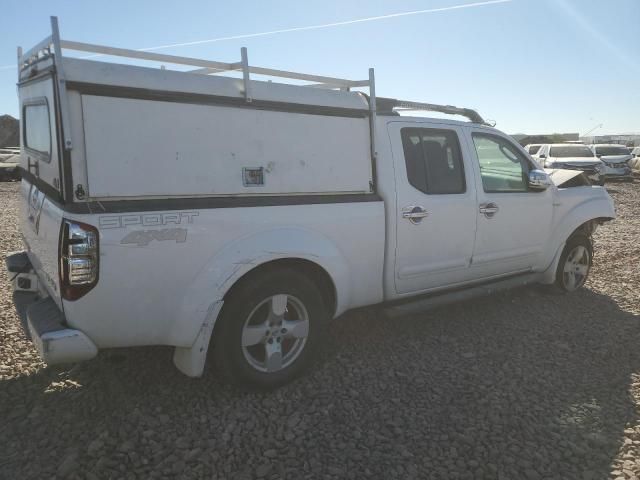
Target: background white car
616 160
572 157
533 148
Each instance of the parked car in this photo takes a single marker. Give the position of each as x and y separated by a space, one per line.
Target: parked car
634 163
573 157
533 148
616 159
176 208
9 158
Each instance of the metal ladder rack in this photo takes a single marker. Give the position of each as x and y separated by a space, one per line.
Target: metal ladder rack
51 48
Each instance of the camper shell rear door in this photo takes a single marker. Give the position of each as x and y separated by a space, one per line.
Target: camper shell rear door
40 154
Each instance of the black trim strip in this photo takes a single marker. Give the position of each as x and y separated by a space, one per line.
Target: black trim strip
51 193
203 99
125 206
163 204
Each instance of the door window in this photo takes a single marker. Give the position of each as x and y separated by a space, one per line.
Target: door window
434 160
502 167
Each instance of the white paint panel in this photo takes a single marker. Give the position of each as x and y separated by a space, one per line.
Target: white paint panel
138 148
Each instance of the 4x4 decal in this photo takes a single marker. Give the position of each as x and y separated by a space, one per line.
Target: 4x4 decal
142 238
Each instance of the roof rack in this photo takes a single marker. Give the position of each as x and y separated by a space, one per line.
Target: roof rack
389 105
51 48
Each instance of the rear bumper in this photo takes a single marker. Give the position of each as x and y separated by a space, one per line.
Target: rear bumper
42 320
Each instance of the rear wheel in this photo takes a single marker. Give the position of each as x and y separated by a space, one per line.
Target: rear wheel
575 263
270 328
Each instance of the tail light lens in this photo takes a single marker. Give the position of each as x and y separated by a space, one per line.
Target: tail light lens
79 260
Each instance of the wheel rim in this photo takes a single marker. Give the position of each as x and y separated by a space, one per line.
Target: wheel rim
576 268
275 333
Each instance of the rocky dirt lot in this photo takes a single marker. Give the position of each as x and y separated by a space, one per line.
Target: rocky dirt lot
521 385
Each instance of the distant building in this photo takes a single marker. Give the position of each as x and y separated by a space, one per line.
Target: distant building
525 139
630 140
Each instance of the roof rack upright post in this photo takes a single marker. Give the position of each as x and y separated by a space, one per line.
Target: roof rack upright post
372 110
19 62
245 75
372 125
62 83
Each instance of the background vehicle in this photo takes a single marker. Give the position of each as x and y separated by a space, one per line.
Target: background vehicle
9 158
532 149
140 230
616 160
573 157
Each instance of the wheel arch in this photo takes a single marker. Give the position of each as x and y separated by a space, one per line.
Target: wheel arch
318 274
296 248
585 228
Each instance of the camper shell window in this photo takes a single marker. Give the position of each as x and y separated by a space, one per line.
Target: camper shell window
37 128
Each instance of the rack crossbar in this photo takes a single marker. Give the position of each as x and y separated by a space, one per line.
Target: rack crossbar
142 55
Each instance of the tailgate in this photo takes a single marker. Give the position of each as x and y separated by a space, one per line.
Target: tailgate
40 221
40 216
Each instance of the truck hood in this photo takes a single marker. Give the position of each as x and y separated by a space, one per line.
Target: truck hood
559 177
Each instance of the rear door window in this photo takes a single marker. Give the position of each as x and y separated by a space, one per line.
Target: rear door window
434 160
37 130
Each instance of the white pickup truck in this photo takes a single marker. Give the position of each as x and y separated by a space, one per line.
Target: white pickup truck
189 209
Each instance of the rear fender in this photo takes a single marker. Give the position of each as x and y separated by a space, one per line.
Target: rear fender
204 296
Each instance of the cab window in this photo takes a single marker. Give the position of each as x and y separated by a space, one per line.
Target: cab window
434 160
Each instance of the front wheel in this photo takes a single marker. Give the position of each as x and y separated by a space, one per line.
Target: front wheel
575 263
270 328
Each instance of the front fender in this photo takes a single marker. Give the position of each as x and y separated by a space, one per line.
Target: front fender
575 208
220 272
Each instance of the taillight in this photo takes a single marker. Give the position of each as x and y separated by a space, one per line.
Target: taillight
79 259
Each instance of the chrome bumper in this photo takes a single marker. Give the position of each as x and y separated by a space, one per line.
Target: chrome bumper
43 322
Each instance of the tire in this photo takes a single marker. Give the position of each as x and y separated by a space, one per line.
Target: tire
575 264
257 319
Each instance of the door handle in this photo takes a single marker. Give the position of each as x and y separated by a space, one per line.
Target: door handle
414 213
489 209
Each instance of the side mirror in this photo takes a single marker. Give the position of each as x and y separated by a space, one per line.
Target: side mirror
539 180
542 156
598 155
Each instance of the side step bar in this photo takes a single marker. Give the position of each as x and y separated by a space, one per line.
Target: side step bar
459 295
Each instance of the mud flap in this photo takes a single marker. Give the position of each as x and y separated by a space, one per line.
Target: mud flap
191 360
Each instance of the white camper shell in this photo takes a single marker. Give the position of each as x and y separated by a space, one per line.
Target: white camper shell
186 207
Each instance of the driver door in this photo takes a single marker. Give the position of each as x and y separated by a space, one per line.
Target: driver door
513 222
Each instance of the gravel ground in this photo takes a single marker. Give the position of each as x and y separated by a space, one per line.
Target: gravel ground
520 385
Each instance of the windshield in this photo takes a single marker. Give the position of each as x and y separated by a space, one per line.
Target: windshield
613 150
570 151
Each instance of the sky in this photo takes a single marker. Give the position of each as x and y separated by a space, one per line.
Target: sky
533 66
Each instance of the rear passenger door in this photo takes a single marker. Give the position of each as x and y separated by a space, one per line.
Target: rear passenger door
436 202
